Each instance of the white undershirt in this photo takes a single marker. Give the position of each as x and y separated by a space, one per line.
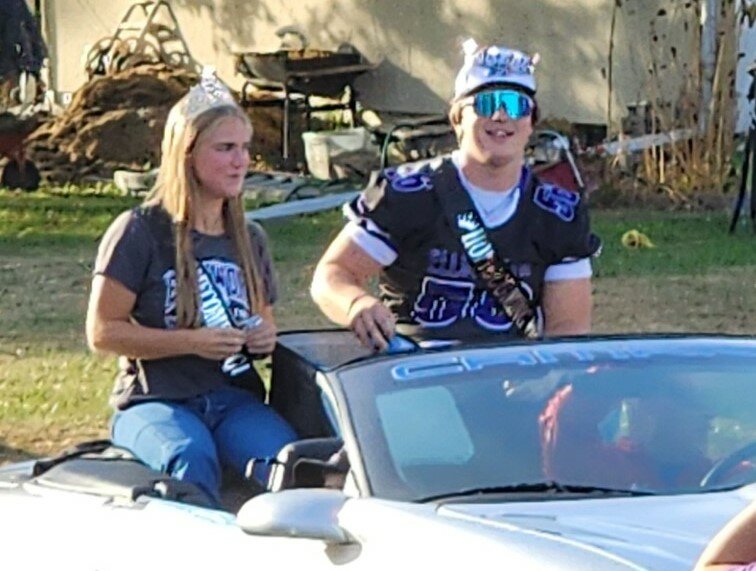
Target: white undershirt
495 207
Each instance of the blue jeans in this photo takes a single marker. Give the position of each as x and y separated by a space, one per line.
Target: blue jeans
191 439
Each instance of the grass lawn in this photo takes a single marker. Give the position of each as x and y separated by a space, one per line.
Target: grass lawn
53 393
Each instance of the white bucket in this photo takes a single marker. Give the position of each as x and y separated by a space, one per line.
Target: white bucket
322 146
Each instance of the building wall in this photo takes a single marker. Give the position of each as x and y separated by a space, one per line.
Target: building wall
414 44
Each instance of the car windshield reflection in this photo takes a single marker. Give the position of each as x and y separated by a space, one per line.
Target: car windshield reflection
668 422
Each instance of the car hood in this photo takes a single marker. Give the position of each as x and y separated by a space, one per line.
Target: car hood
661 532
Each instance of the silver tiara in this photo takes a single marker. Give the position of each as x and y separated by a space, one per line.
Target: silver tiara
210 92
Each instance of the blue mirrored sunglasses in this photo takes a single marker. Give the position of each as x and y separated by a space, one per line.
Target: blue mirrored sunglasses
517 105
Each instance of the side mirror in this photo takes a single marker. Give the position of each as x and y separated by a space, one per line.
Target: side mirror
302 513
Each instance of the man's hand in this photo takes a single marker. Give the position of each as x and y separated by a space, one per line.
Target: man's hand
371 322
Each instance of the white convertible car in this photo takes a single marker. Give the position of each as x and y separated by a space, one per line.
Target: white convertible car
596 453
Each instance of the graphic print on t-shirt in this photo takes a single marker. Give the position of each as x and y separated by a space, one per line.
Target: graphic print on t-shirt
223 303
223 294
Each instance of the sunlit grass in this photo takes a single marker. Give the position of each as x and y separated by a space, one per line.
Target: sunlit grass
685 244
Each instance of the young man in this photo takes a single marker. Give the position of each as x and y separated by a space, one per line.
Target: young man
468 246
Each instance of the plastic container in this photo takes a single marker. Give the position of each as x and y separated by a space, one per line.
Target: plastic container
321 147
133 182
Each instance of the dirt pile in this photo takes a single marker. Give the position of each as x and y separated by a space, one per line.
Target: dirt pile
112 122
116 122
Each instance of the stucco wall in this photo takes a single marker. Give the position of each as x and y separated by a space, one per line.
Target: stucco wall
415 44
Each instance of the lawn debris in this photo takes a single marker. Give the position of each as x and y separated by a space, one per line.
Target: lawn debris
634 239
116 122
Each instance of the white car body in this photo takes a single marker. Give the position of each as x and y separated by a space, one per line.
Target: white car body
47 526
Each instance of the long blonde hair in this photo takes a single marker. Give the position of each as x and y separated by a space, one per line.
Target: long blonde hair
177 189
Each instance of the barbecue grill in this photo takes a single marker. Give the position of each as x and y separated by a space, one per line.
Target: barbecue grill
299 74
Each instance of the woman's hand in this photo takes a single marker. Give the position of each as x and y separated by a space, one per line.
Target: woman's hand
110 329
371 321
217 343
261 340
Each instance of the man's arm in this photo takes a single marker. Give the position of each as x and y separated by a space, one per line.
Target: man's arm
339 288
567 307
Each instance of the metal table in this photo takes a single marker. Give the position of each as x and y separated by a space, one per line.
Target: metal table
297 80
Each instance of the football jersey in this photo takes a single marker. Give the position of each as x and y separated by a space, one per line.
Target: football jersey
427 281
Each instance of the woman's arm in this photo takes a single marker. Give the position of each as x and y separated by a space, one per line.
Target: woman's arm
339 287
734 546
110 329
567 307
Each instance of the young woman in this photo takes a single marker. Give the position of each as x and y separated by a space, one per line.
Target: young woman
470 246
183 291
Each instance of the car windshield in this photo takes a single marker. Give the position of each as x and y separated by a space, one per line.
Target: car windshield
665 416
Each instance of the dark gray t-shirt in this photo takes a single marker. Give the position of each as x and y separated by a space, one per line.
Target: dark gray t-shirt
138 251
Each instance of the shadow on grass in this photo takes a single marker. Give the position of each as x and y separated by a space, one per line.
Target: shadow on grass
10 454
